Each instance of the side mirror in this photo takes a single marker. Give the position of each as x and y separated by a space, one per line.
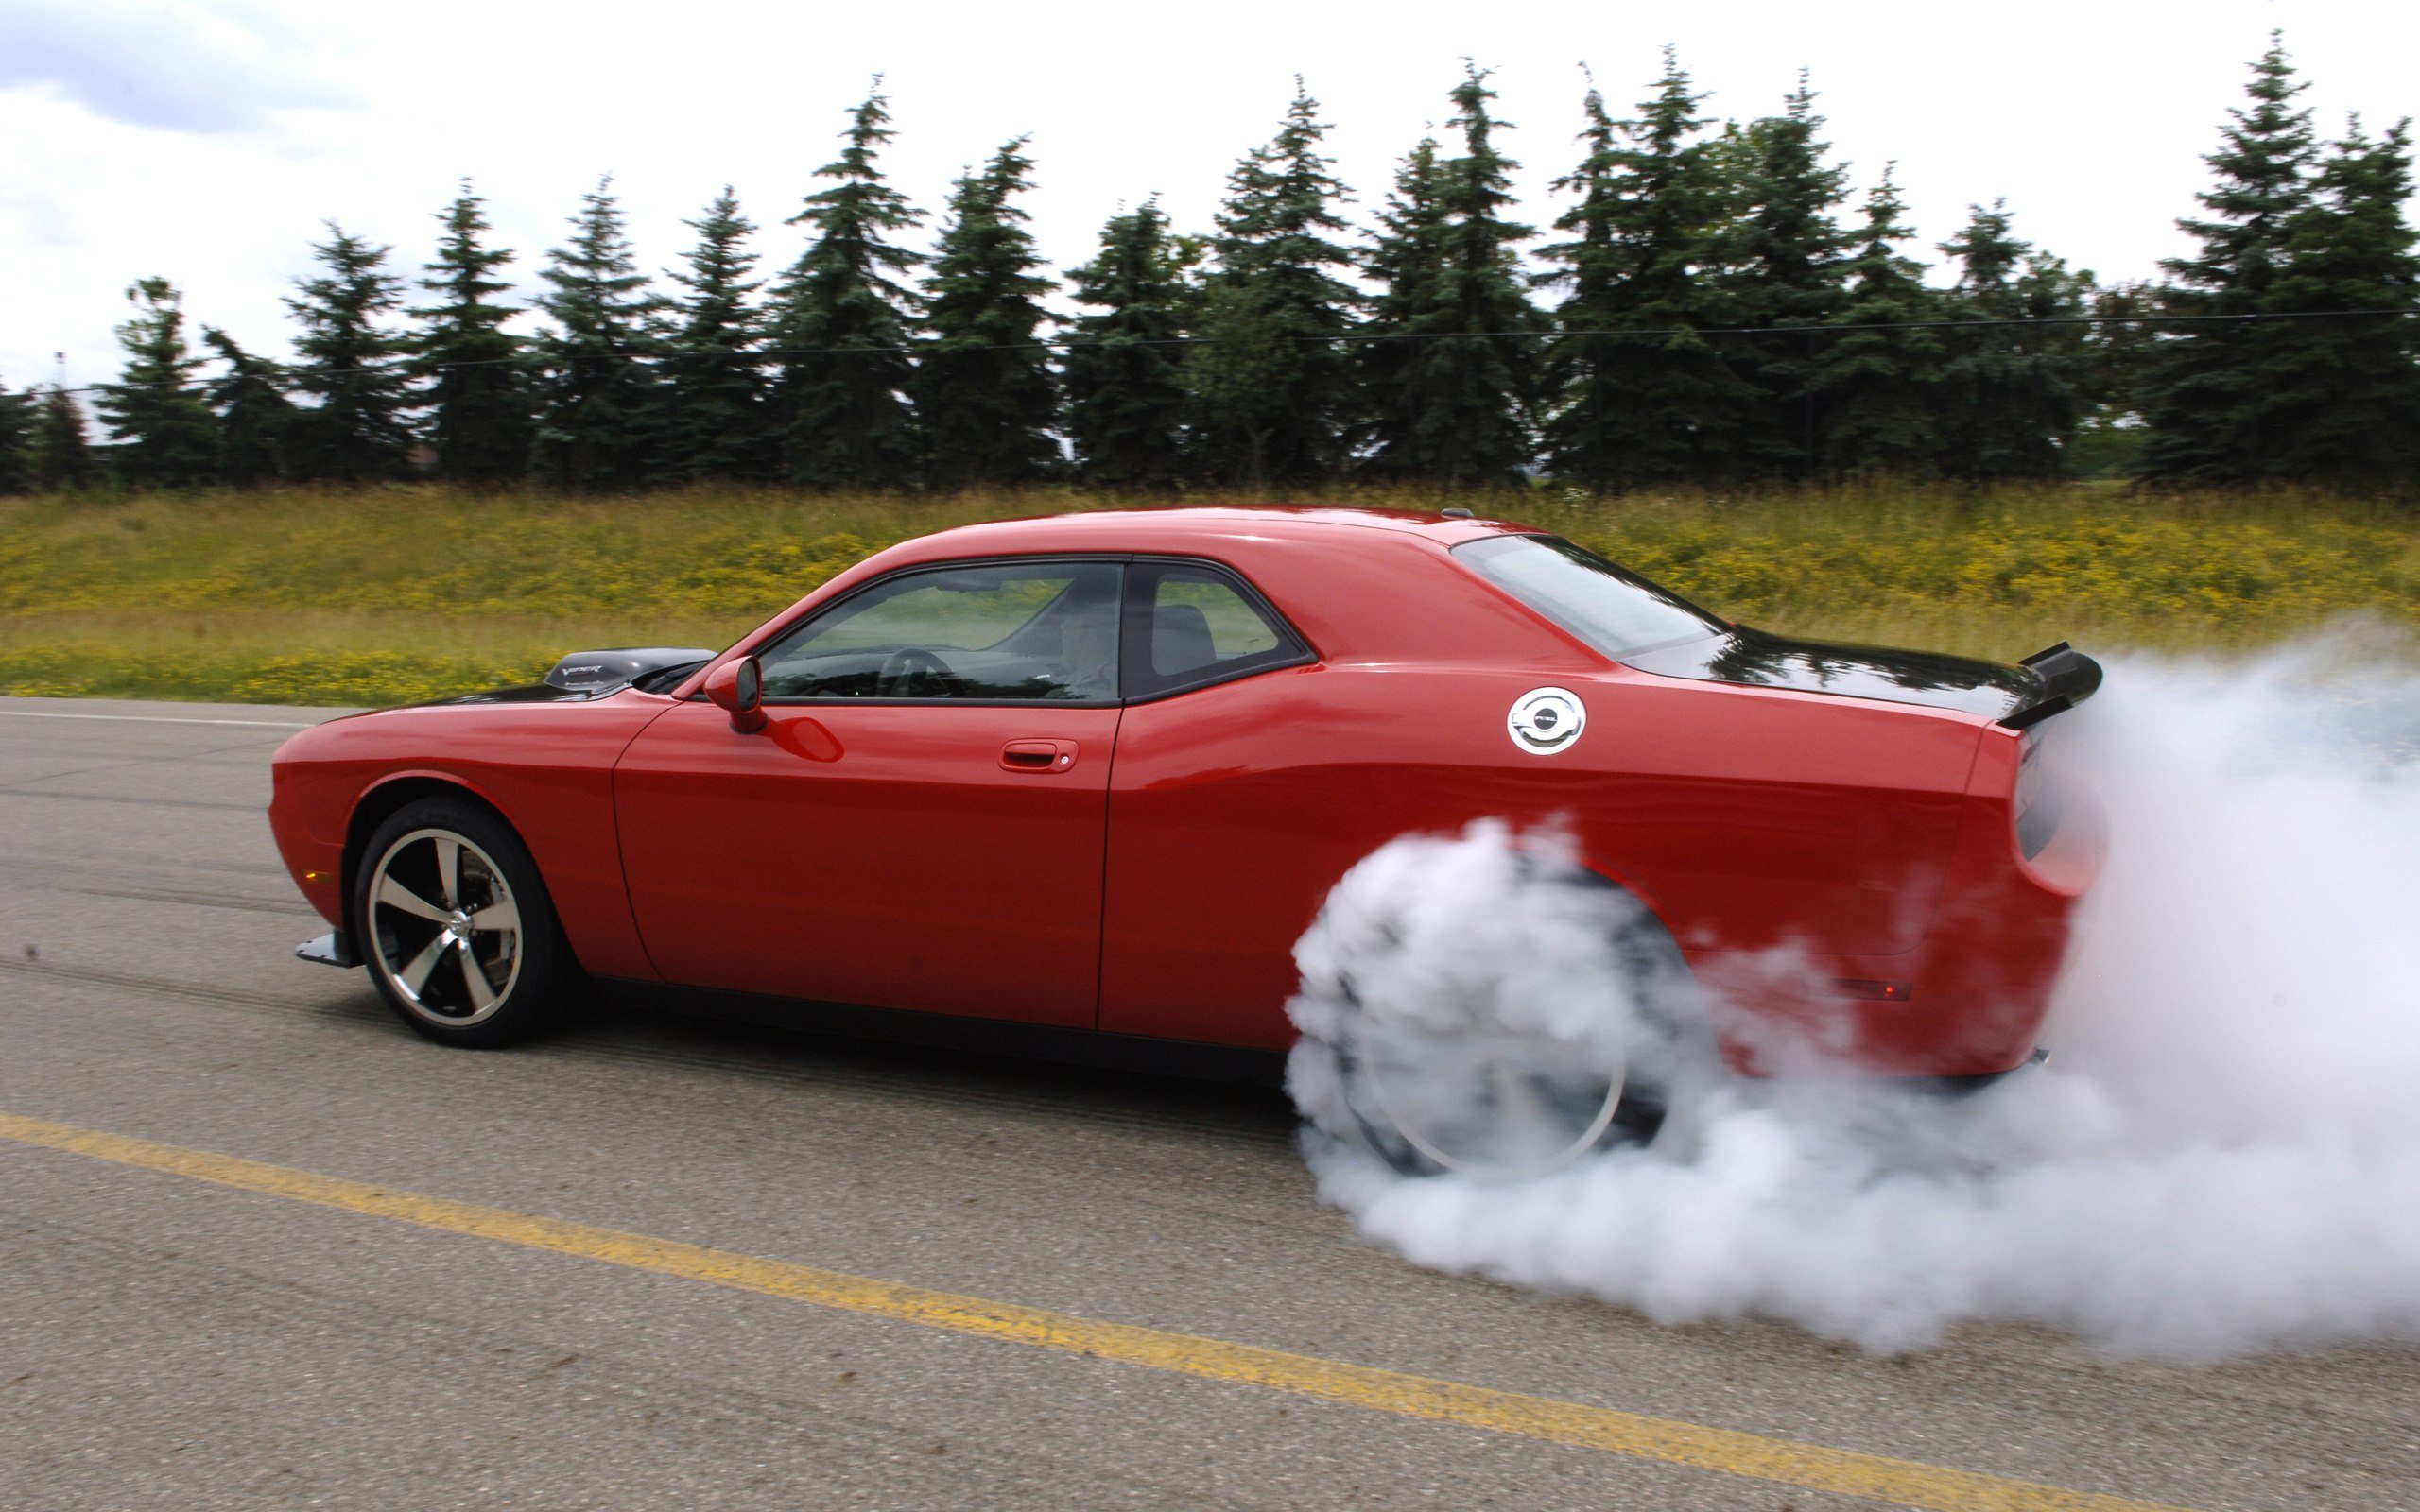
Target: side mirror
738 688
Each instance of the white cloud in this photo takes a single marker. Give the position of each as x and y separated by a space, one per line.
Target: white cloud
182 141
37 218
160 67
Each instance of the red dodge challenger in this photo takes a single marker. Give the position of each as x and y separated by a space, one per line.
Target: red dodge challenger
1077 785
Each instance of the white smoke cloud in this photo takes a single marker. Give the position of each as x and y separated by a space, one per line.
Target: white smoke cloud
2222 1157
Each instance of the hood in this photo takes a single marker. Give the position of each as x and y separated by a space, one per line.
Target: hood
585 675
534 693
1753 658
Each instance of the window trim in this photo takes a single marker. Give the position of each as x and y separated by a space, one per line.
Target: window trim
1305 653
1117 559
1133 629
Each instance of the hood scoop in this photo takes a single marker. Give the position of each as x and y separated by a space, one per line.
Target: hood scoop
601 672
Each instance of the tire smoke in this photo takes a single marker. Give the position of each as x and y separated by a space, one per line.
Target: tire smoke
2222 1157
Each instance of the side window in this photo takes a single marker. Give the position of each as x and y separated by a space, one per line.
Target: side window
1011 630
1187 626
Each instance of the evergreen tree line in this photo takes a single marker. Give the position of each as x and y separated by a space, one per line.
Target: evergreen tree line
1708 308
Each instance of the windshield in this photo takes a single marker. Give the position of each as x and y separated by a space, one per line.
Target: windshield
1616 612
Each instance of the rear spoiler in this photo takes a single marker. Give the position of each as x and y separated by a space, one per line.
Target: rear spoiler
2069 678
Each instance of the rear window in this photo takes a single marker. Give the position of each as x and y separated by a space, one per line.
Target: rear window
1191 625
1616 612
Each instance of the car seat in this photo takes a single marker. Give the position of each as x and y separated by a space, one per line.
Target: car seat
1181 640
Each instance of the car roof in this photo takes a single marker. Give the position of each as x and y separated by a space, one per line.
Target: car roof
1172 528
1268 543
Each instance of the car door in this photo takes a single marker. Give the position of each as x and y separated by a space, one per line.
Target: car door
920 824
1225 815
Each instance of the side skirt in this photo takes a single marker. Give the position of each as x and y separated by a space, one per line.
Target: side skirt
1000 1036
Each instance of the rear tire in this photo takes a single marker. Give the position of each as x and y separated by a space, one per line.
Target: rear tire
452 918
1492 1101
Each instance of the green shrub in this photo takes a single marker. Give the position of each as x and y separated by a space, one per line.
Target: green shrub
386 595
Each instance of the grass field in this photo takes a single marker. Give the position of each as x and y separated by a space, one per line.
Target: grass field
388 595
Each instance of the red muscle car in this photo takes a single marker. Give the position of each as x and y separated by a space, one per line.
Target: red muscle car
1077 785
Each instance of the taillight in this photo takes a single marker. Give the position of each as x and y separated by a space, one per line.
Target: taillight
2037 801
2028 771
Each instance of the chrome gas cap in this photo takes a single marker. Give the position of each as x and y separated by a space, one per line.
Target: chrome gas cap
1547 720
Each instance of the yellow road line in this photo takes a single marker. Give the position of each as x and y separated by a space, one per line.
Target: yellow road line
1670 1441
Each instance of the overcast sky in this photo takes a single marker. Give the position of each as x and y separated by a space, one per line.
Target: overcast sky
207 142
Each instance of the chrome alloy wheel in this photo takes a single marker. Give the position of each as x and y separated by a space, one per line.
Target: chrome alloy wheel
445 933
1502 1105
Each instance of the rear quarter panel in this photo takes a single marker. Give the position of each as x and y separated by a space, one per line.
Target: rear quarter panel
1746 818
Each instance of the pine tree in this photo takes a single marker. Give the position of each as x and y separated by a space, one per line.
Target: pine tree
2115 349
1786 266
2341 401
167 438
983 385
1594 274
1878 388
1124 373
2012 394
357 429
714 423
256 418
845 418
62 459
2121 344
1407 264
597 392
1457 406
1638 409
475 383
2203 395
17 413
1276 403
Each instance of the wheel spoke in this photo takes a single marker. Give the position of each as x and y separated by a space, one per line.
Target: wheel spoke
395 895
497 918
415 972
472 909
476 978
1517 1102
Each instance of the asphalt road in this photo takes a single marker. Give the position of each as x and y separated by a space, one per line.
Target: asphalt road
170 1340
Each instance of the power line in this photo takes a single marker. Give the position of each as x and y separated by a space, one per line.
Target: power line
534 359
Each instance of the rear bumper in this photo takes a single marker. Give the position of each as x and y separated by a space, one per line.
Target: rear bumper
1967 1005
1989 965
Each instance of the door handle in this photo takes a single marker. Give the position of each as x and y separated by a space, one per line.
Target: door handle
1038 755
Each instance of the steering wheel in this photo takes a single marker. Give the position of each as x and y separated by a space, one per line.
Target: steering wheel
910 672
1069 683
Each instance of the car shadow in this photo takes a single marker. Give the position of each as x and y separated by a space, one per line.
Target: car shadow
786 1055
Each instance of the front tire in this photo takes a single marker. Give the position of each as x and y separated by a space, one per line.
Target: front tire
454 922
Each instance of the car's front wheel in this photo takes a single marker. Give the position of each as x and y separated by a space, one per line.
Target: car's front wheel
452 918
